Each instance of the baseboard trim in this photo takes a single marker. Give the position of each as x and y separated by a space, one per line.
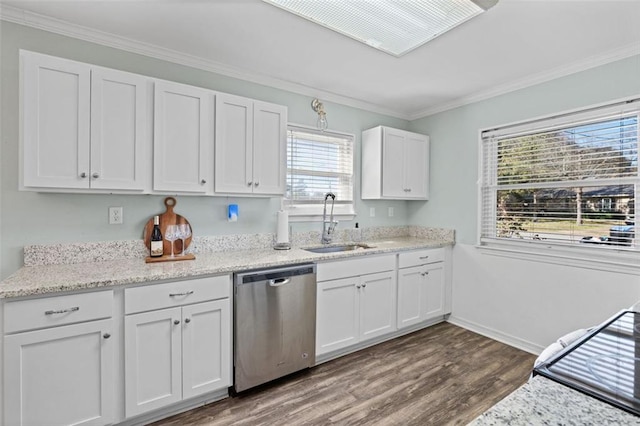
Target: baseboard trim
362 345
174 409
494 334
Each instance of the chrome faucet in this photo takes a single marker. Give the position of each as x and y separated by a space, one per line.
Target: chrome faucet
328 226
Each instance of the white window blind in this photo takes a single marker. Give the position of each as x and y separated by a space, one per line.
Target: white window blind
319 162
574 183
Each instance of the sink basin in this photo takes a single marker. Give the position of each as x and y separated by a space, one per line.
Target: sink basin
338 248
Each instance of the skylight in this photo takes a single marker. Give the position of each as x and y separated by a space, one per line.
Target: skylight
392 26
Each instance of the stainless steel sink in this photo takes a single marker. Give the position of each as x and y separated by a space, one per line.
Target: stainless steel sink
338 248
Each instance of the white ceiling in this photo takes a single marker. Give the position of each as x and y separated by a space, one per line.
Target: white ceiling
514 44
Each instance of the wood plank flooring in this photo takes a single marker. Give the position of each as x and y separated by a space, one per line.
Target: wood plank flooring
442 375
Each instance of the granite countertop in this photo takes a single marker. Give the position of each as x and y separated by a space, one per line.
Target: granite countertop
45 279
544 402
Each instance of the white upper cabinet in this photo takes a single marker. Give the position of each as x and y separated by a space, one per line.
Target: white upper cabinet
183 139
395 164
269 148
234 144
55 115
119 142
86 128
83 127
250 148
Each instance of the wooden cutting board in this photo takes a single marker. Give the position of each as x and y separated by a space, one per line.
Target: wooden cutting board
169 217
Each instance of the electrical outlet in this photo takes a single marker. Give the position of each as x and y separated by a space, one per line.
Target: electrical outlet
390 211
372 212
115 216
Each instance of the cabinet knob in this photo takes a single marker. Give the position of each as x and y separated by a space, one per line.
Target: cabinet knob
106 335
187 320
176 322
83 175
203 181
95 175
364 285
249 183
357 286
256 183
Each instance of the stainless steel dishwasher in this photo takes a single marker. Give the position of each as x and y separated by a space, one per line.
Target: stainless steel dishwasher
274 324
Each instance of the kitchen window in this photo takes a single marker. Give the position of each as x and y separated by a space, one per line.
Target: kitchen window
568 182
318 162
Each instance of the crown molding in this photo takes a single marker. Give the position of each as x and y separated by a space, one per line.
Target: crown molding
46 23
543 77
42 22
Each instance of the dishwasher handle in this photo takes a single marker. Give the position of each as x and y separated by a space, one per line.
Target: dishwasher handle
279 281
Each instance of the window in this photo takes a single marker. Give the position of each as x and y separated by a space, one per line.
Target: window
318 162
568 181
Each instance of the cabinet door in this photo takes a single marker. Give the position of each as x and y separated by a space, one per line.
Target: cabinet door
410 295
234 145
416 167
119 143
55 122
393 167
60 376
269 148
206 347
337 315
377 304
153 360
183 139
434 305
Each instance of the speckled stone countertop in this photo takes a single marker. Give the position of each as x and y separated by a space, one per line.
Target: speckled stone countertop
52 278
544 402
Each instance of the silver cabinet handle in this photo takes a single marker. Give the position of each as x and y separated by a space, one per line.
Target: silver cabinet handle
424 257
256 183
96 175
176 322
106 335
83 175
364 285
62 311
249 183
357 286
186 293
203 181
187 320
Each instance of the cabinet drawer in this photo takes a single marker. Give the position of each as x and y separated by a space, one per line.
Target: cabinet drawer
420 257
57 310
355 266
166 295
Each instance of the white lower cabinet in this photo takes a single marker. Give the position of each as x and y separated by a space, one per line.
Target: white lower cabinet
179 352
355 309
422 290
62 375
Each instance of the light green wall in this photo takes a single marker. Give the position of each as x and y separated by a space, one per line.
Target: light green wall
455 137
44 218
34 218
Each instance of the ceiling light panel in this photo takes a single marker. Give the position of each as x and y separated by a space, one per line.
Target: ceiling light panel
393 26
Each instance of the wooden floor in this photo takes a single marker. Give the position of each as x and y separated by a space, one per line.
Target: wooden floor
442 375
